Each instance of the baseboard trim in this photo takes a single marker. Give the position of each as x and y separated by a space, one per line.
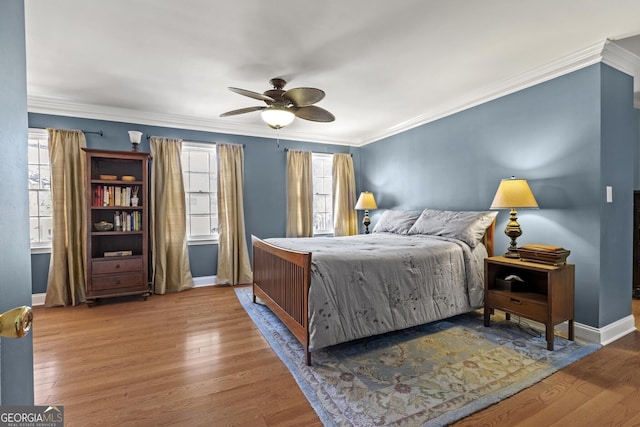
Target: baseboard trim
603 336
38 299
204 281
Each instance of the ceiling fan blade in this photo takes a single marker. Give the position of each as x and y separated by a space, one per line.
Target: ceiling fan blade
303 96
251 94
241 111
315 114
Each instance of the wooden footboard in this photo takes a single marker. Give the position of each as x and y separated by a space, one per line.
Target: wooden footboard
281 280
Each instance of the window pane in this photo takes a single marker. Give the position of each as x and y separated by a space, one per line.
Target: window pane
33 229
199 182
34 177
33 203
33 152
45 177
45 204
44 153
200 225
327 168
199 161
199 203
46 229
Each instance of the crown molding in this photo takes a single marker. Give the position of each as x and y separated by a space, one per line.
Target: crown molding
621 59
606 51
565 65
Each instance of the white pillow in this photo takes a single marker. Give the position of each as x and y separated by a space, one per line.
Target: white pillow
396 221
468 226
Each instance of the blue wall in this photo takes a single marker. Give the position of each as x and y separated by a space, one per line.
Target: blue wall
569 137
265 179
16 355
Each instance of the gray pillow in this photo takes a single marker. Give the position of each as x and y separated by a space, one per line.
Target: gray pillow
395 221
468 226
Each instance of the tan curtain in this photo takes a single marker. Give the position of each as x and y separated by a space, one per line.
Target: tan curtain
299 194
66 283
169 254
345 218
234 266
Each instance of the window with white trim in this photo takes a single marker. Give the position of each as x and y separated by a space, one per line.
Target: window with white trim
40 202
199 170
321 171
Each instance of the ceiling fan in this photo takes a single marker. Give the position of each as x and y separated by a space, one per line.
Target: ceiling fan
284 105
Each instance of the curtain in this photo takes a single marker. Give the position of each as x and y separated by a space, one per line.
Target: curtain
234 266
169 254
345 218
299 194
66 282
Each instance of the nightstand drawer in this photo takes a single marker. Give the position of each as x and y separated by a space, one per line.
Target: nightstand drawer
116 266
518 304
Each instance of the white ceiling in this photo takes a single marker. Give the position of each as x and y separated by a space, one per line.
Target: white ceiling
386 66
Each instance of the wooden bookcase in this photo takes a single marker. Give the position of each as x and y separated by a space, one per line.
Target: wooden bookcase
546 295
117 259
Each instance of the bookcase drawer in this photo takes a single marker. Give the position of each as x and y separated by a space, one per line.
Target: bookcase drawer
116 266
118 282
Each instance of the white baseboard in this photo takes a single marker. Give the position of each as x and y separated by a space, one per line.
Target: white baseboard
38 299
603 336
204 281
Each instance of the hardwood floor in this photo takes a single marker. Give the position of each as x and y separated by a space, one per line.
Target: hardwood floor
196 359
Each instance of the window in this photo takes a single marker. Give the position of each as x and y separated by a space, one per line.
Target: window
321 170
40 203
199 169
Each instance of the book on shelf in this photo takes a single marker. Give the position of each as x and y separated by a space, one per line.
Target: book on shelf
118 253
110 195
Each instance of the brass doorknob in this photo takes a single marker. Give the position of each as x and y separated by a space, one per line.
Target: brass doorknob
16 322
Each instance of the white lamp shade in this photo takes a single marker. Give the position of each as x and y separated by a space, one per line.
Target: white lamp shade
366 201
277 117
514 193
135 136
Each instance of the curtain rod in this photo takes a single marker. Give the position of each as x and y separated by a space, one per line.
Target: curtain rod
95 132
201 142
317 152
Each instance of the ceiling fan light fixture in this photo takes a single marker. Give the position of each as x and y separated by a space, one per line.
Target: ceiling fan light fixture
277 117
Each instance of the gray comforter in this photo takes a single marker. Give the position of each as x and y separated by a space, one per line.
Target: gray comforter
370 284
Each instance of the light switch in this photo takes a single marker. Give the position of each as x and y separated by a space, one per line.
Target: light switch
609 194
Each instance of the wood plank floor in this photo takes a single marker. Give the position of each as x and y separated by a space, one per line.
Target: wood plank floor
196 359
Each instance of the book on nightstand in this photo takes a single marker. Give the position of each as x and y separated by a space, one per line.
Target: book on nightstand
544 254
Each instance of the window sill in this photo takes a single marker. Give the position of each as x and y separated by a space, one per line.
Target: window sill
41 250
202 242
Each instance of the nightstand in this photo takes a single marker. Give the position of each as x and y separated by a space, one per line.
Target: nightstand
546 296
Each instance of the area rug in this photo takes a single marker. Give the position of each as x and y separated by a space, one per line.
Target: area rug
429 375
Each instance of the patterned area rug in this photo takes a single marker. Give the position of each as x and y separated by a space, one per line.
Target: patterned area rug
429 375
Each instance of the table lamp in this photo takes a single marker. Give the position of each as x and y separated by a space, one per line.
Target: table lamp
365 202
513 193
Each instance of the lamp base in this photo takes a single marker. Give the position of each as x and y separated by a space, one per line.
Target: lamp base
513 231
512 254
366 221
134 147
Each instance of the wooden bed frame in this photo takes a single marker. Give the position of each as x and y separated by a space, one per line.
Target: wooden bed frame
281 279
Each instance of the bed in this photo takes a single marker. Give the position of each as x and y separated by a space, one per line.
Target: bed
415 268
